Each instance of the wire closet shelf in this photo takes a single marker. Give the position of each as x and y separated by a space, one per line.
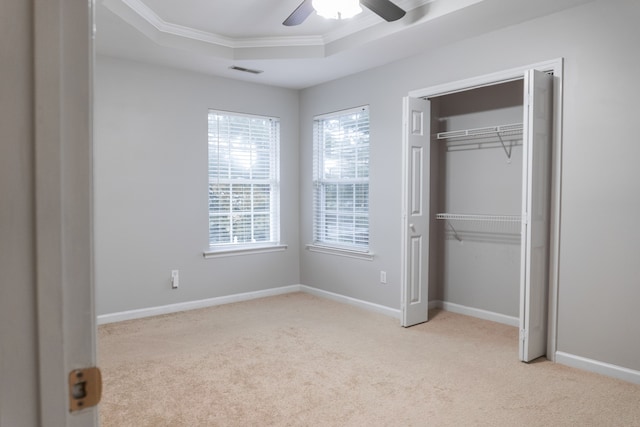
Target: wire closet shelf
502 132
514 129
493 222
479 217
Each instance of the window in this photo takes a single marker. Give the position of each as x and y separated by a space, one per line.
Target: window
244 198
341 180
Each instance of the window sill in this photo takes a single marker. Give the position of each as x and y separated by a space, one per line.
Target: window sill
243 250
350 253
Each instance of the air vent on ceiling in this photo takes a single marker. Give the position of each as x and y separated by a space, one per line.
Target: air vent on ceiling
246 70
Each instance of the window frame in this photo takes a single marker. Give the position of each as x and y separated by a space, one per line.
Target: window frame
320 242
229 248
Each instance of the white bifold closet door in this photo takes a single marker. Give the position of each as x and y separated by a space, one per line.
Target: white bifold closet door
415 246
534 252
537 128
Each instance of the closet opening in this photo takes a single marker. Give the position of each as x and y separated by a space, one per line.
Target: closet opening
477 203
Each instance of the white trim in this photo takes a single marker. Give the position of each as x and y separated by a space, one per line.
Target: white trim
63 95
381 309
243 251
193 305
598 367
475 312
104 319
557 67
486 80
349 253
146 13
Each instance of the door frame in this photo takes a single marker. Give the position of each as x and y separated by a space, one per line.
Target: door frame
555 66
63 80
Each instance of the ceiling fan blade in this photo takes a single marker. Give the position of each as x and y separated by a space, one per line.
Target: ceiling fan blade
385 9
301 13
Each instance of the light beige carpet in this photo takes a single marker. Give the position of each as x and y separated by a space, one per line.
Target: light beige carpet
299 360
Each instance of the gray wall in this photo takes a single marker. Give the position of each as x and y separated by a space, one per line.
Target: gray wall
599 273
483 269
18 330
151 186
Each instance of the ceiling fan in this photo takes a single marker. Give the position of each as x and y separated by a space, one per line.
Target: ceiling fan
383 8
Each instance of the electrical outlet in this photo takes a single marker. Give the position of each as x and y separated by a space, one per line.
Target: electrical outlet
175 279
383 277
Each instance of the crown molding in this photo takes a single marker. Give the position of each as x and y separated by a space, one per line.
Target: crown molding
355 25
361 29
146 13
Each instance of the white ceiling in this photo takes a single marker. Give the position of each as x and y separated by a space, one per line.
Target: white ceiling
209 36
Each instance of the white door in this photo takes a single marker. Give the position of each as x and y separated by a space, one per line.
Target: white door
534 276
63 44
415 247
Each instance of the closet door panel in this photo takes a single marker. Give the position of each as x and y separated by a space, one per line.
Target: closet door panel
416 155
535 208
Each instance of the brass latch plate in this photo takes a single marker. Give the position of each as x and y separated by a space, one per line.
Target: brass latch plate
85 388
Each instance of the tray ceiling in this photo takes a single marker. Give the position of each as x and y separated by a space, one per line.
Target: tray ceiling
210 36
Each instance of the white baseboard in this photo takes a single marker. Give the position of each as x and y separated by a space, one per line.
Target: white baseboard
475 312
391 312
192 305
228 299
598 367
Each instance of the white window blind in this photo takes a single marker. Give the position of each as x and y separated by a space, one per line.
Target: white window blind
244 198
341 179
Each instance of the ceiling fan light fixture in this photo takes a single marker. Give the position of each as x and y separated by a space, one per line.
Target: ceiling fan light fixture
337 9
